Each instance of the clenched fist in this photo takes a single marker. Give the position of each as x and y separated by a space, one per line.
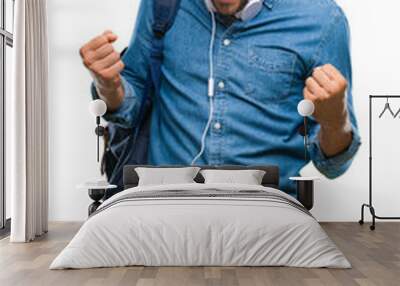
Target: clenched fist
326 88
105 65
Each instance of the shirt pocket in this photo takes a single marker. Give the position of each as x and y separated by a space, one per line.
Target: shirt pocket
271 73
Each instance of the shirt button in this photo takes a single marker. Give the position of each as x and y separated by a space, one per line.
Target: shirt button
221 85
217 126
227 42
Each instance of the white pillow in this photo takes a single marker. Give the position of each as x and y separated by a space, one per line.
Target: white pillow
166 176
247 177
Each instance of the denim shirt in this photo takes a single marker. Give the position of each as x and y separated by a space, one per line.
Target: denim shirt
260 68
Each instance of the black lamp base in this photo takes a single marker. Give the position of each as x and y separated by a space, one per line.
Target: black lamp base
305 193
96 195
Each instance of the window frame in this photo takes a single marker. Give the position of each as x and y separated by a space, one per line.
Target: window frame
6 39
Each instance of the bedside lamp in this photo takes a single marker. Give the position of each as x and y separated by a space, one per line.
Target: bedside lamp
305 185
305 108
98 108
97 187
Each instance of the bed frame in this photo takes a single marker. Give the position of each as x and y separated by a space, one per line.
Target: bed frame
271 178
305 190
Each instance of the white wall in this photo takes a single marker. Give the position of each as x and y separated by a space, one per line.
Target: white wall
375 58
72 139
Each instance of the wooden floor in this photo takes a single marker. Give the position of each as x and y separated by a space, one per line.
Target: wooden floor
375 257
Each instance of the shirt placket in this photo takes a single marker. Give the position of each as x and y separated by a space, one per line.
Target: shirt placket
218 130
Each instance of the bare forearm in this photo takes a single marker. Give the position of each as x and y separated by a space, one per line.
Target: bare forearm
335 139
327 89
112 96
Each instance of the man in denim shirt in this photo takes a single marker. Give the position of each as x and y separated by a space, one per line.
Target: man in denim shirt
263 67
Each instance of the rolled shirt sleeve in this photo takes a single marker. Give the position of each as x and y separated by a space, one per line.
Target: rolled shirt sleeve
335 50
333 167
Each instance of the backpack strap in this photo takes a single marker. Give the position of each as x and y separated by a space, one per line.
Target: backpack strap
135 146
164 14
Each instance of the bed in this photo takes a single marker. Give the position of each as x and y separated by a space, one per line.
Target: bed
198 224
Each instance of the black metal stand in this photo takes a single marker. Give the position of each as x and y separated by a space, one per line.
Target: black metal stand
370 204
96 195
305 193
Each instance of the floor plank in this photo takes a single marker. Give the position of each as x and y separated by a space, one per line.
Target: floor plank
375 257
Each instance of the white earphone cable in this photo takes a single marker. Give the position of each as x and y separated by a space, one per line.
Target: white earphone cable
210 89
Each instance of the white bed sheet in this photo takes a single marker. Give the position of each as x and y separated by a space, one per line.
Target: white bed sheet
200 232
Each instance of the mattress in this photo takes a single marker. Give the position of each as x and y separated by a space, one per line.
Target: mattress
201 225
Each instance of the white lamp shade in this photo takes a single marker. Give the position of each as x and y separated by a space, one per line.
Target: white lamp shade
306 108
98 107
